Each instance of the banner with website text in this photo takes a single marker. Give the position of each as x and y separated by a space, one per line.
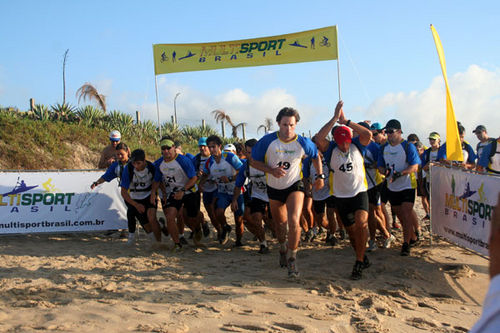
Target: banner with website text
32 202
462 204
312 45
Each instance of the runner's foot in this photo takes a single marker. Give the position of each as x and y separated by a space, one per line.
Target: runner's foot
292 268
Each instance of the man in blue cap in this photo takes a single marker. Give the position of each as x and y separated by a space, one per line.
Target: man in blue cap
209 188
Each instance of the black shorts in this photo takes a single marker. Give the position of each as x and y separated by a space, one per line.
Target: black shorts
427 188
258 206
282 195
142 217
397 198
382 187
319 205
347 207
191 202
374 196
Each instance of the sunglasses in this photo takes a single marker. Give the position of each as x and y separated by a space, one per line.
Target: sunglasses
390 130
376 133
165 148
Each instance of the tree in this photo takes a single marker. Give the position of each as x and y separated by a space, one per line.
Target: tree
64 76
267 126
90 92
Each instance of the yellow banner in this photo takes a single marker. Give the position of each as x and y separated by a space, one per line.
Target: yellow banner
453 144
312 45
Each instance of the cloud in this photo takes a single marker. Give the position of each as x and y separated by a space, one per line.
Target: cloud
476 99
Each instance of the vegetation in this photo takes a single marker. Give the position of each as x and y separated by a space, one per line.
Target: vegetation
65 137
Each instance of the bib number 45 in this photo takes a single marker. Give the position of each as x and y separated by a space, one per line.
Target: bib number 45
347 167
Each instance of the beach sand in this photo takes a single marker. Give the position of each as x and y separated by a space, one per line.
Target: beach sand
92 283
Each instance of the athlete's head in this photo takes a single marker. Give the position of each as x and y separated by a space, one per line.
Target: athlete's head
214 144
122 152
249 144
287 119
420 147
167 149
343 137
481 133
115 137
434 139
461 131
393 131
413 138
364 124
138 159
240 151
202 146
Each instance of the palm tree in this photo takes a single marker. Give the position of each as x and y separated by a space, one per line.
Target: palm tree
267 126
90 92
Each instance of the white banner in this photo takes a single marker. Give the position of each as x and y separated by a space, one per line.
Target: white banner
54 201
462 204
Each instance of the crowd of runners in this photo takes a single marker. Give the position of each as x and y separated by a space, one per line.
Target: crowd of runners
290 187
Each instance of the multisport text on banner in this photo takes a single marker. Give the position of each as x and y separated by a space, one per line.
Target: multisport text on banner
312 45
462 204
32 202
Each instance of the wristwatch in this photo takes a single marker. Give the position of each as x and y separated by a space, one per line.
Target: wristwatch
321 176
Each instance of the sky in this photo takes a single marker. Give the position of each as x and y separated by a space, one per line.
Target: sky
389 66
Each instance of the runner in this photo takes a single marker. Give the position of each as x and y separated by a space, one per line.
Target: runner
467 151
429 156
179 178
136 184
239 209
108 154
280 155
209 188
399 161
484 139
345 161
376 218
257 207
222 168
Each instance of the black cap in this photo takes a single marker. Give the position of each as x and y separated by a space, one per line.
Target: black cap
480 128
138 155
393 123
364 124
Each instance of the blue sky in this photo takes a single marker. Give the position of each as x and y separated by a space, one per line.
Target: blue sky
389 64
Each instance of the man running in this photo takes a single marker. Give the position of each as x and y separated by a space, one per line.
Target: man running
399 161
345 159
280 155
179 179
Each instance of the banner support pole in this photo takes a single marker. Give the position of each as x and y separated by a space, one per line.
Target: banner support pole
338 64
157 106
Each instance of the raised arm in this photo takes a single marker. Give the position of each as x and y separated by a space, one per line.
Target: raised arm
320 137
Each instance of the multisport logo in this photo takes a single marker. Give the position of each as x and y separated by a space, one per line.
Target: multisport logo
23 196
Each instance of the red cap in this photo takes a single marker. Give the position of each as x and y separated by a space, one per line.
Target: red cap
342 134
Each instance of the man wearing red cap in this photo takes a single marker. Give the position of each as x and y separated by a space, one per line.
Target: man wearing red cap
344 157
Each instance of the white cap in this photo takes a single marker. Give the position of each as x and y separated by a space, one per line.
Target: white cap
230 147
115 135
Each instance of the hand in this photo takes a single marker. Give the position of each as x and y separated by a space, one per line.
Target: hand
342 119
338 108
94 184
318 184
278 172
140 208
224 179
395 176
234 206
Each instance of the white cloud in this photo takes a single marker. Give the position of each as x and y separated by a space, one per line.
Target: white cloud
476 100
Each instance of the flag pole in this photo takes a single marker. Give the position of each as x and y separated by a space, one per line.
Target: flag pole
338 64
157 105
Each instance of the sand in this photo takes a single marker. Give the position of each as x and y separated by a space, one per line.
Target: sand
92 283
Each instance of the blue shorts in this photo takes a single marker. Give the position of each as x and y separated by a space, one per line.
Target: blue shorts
209 197
224 200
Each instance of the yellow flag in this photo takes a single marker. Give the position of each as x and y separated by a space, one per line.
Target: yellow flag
453 144
312 45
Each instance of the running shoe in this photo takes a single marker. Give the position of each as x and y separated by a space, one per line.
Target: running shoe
197 237
395 225
238 243
163 227
357 270
405 249
309 236
206 229
131 238
342 234
292 268
372 246
389 241
366 262
283 261
177 248
426 217
263 249
183 241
